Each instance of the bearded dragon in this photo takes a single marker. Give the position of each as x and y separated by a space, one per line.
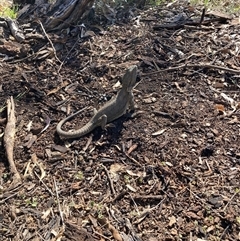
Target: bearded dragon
110 111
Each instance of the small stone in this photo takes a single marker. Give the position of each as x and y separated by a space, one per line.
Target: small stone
210 135
215 132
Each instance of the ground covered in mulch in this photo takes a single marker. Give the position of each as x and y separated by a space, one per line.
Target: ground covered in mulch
168 171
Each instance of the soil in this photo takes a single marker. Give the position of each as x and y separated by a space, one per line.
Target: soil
168 171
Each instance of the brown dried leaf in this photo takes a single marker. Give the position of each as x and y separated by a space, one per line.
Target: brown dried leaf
46 213
30 140
132 148
63 84
62 149
192 215
138 174
220 108
116 167
160 132
131 188
172 220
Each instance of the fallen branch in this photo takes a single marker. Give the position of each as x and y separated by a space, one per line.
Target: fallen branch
110 180
9 134
209 66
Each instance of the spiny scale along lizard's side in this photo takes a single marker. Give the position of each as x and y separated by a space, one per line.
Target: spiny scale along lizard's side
112 110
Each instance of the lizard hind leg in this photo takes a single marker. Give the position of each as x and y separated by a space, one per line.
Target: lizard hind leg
94 111
103 121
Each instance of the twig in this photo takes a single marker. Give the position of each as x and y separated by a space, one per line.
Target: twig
133 235
119 196
89 141
203 15
134 203
209 66
110 180
54 50
67 55
205 204
48 121
59 206
9 140
22 59
224 231
142 197
47 188
144 213
101 235
230 200
115 233
132 159
12 195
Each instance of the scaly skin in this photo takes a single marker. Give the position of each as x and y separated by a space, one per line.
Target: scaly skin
110 111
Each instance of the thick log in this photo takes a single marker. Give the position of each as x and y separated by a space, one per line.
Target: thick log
65 13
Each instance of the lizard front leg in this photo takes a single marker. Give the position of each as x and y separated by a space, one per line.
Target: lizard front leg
131 102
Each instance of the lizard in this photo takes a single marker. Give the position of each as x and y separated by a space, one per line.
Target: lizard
110 111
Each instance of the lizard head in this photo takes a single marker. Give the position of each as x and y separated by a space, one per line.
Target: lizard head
129 78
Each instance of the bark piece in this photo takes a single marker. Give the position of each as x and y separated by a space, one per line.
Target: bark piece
9 140
15 30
